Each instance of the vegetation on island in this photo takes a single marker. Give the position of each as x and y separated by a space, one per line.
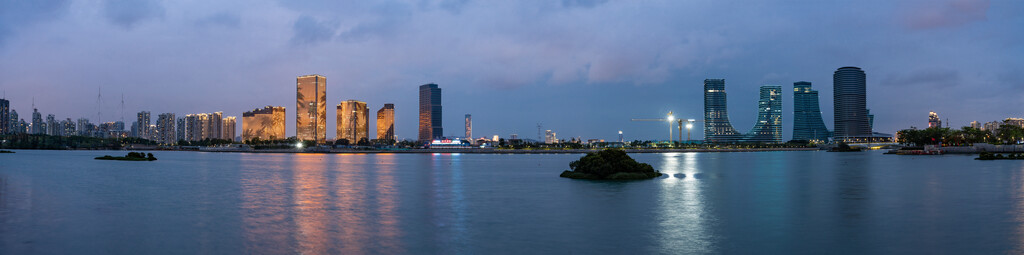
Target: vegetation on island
843 147
1005 134
609 164
997 156
132 156
51 142
3 151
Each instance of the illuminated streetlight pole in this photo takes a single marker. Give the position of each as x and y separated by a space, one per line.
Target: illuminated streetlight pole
671 119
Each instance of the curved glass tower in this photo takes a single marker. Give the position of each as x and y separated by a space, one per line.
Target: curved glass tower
717 128
769 117
850 98
807 122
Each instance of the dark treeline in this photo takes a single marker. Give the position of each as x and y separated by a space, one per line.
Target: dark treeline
1006 134
47 142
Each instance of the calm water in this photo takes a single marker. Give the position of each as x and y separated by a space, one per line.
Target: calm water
64 202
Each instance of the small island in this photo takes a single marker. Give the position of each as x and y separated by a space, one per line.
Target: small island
3 151
609 164
996 156
132 156
843 147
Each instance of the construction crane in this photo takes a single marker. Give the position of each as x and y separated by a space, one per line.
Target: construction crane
679 123
668 118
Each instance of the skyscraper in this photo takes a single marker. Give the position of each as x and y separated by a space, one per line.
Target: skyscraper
717 128
143 124
265 124
213 125
180 130
768 128
51 125
37 123
167 134
975 124
386 122
353 121
850 98
5 116
196 125
228 128
807 122
469 127
311 108
430 113
933 120
14 124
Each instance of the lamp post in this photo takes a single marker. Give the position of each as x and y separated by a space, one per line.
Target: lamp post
689 126
670 120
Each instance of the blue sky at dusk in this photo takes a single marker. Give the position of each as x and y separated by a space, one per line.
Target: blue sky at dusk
581 68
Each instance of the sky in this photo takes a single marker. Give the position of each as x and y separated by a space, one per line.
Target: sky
582 68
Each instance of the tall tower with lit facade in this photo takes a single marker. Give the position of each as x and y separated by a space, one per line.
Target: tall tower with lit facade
768 128
850 99
807 122
167 134
469 127
311 108
353 121
430 113
717 128
386 122
228 128
143 121
5 116
266 124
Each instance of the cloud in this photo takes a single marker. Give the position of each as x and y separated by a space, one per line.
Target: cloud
128 13
16 14
946 13
307 31
221 19
938 78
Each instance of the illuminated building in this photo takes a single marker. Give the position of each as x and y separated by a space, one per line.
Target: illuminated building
5 116
265 124
933 120
195 126
469 127
768 128
850 99
807 122
311 108
717 128
975 124
550 137
353 121
1014 121
991 126
386 122
430 127
84 127
228 128
37 127
180 130
142 123
213 125
51 125
166 132
14 124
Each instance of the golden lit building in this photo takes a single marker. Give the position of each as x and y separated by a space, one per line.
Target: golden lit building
386 122
265 124
353 121
311 108
228 128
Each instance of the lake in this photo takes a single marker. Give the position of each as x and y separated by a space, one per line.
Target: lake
804 202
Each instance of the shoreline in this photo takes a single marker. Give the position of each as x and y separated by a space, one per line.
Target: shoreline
464 151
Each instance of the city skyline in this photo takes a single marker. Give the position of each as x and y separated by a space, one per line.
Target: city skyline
591 65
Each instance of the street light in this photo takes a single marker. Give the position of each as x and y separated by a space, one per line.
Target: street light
671 119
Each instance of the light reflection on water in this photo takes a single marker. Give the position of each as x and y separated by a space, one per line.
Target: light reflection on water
773 202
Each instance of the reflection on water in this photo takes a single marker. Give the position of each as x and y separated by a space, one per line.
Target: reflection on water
682 216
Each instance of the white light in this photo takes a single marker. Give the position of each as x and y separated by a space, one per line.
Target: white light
689 126
298 145
620 132
671 118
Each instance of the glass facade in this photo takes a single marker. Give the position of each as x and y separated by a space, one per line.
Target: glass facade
353 121
430 113
807 122
850 98
386 122
717 128
265 124
768 128
311 108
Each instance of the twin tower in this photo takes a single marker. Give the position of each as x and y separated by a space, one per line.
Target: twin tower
852 119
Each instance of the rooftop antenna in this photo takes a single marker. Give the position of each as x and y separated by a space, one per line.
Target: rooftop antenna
122 107
99 105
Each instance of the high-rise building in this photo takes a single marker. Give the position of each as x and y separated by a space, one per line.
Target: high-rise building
67 127
550 137
179 132
386 122
5 116
1014 121
196 126
933 120
228 128
850 99
768 128
165 128
265 124
469 127
84 127
52 125
15 123
717 128
807 122
991 126
37 126
353 121
143 125
975 124
430 113
311 108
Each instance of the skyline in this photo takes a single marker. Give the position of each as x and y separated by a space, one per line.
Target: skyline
558 68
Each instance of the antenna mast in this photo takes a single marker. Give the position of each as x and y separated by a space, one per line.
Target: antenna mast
99 105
